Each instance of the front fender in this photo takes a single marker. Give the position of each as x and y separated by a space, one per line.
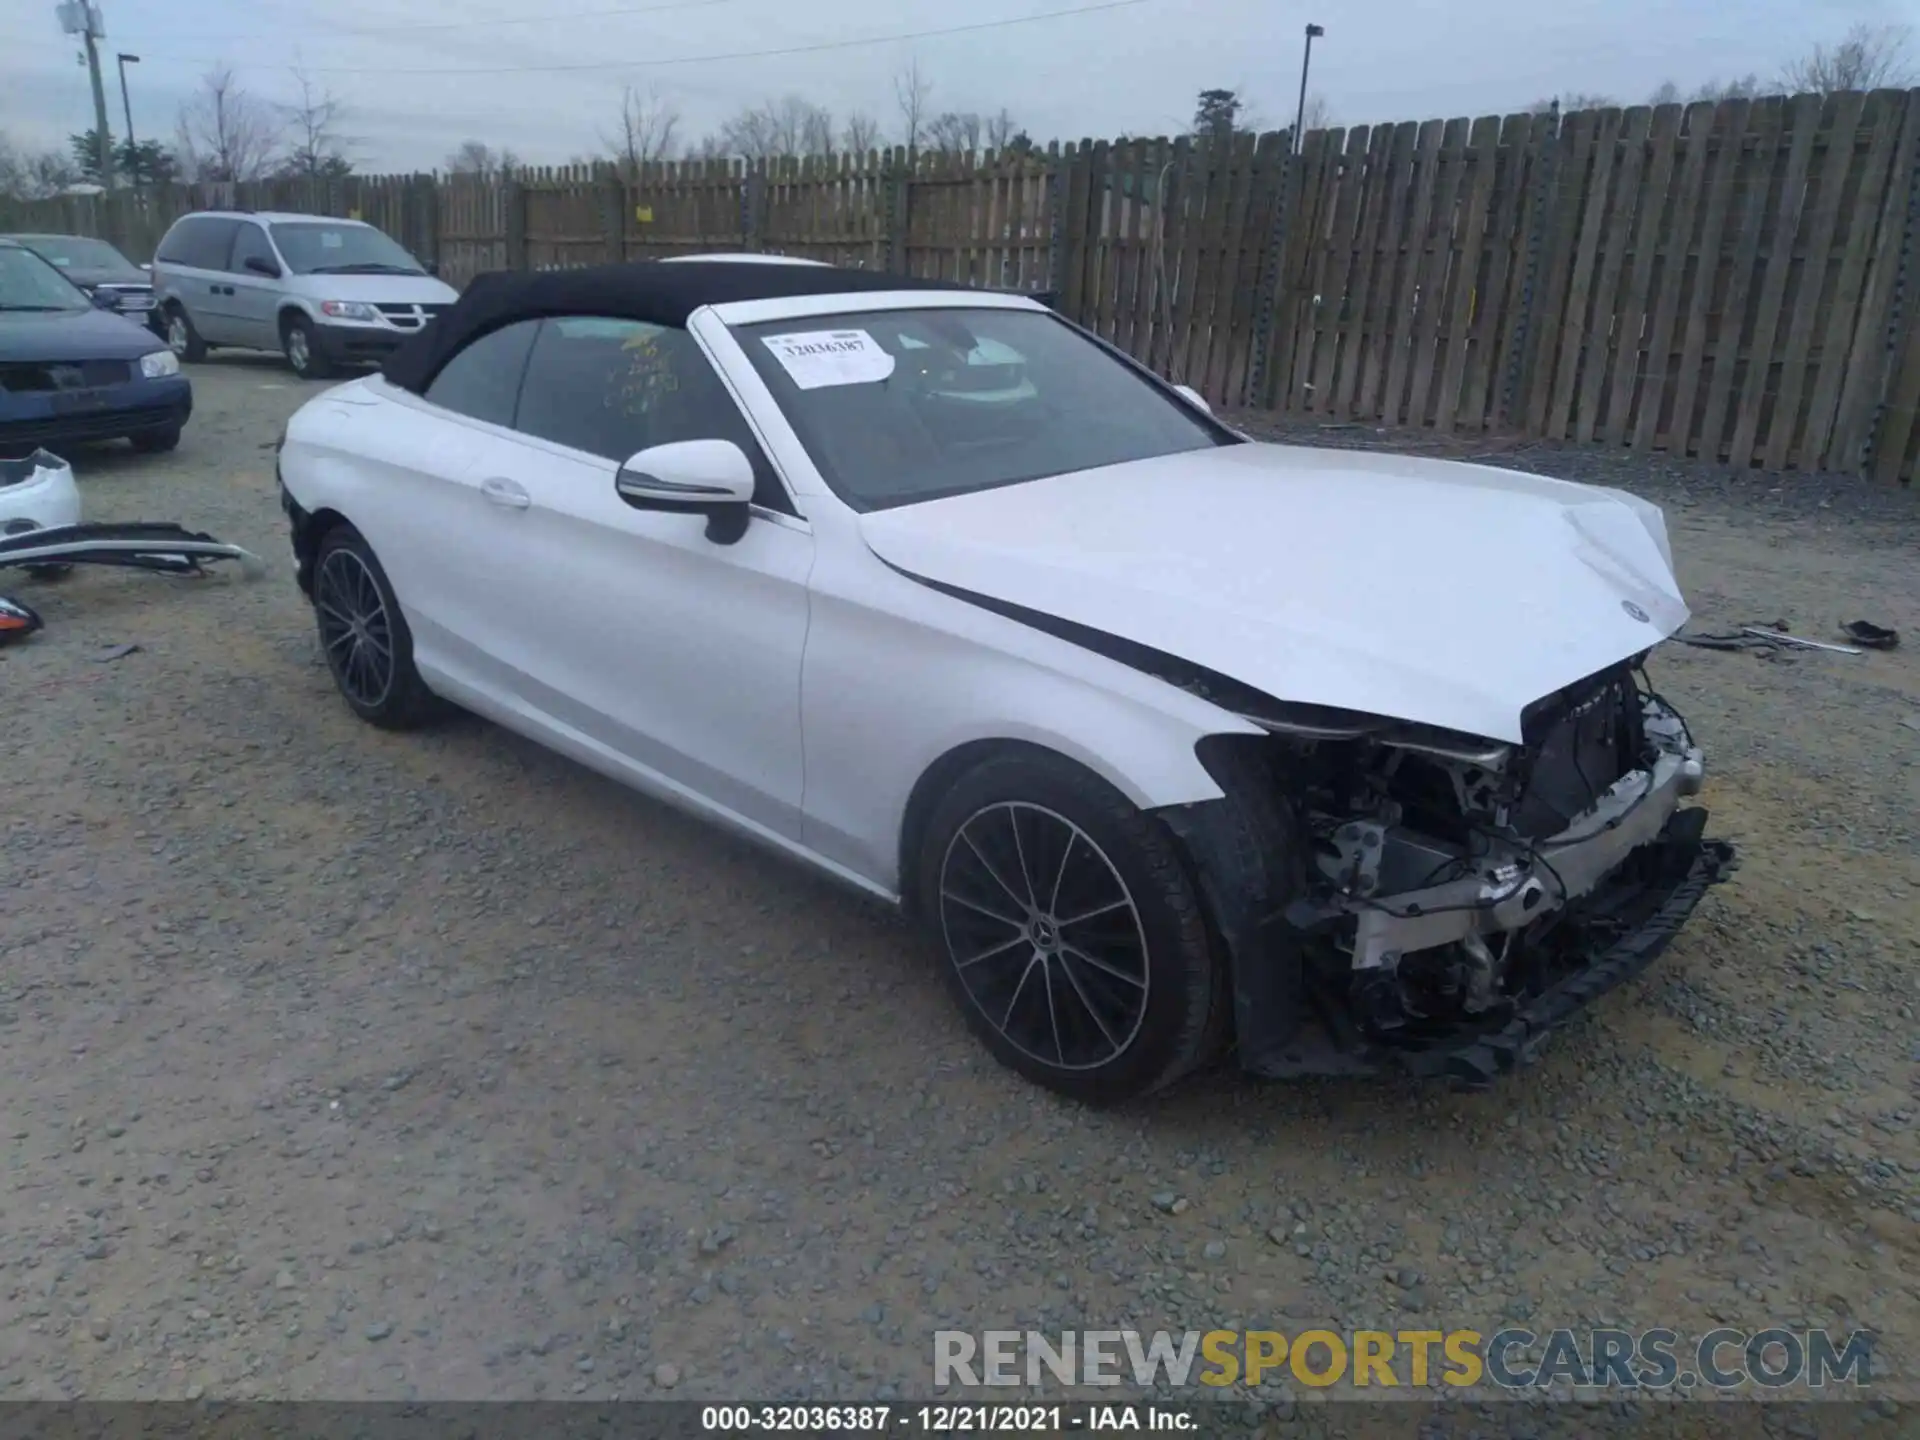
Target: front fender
957 675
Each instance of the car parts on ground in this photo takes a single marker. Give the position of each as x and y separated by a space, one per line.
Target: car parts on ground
17 620
37 493
137 545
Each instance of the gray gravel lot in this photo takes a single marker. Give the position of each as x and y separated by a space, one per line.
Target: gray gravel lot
342 1064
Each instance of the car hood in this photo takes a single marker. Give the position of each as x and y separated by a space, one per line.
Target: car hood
379 289
85 275
1419 590
73 335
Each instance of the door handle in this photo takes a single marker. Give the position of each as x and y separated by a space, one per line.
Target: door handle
505 493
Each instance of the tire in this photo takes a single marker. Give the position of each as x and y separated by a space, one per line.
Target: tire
296 343
379 684
181 337
1141 1018
155 442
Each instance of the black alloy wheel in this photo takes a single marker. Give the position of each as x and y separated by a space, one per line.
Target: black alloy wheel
364 636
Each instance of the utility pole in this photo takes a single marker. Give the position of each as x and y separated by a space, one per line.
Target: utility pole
1300 117
133 160
82 18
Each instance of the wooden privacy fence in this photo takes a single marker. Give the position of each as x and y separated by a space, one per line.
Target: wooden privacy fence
1734 281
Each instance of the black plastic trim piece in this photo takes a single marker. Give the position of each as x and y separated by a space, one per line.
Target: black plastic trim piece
1474 1059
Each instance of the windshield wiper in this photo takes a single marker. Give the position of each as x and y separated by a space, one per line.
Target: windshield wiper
365 267
38 309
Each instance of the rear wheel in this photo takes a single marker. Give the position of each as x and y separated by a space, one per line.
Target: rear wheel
368 648
182 338
1072 935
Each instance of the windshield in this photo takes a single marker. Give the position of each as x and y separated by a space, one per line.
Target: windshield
899 406
319 248
77 252
29 283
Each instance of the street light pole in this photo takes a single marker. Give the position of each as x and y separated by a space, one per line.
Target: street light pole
133 160
1306 60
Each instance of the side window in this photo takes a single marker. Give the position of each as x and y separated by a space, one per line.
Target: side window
201 242
172 249
250 243
483 380
215 244
611 387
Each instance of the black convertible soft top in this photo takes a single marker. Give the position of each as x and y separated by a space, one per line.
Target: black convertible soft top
646 290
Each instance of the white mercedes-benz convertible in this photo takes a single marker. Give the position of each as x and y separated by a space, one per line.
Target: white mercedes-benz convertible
1172 741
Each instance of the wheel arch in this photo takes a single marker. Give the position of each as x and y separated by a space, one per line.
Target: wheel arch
310 530
1241 851
290 309
953 764
935 781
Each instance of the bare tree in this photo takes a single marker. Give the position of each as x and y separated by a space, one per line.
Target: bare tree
226 133
1318 114
912 92
34 174
954 130
860 133
792 125
1869 58
1573 100
315 146
645 130
1745 88
475 157
1001 128
816 131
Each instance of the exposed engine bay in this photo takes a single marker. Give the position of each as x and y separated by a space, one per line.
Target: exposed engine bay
1446 889
1441 871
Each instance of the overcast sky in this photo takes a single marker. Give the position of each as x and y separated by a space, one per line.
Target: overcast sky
1133 69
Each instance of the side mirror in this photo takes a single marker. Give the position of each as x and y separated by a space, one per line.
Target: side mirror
103 299
260 265
433 268
698 477
1194 398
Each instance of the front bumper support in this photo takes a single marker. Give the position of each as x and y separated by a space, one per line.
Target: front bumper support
1561 869
1476 1054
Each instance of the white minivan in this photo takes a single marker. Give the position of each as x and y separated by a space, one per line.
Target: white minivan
323 292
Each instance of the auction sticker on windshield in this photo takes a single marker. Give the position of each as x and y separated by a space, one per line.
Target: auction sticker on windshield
816 358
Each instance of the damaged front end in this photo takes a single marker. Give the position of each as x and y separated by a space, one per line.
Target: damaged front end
1446 901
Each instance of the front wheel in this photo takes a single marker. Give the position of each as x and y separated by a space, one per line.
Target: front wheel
1072 934
155 442
368 648
182 338
303 357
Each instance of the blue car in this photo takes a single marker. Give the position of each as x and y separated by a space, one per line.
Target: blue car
72 371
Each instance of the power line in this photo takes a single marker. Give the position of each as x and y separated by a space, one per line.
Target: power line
705 59
355 31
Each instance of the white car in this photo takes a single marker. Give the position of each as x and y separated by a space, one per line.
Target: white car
1171 741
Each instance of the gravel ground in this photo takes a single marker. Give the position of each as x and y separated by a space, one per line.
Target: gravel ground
339 1064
